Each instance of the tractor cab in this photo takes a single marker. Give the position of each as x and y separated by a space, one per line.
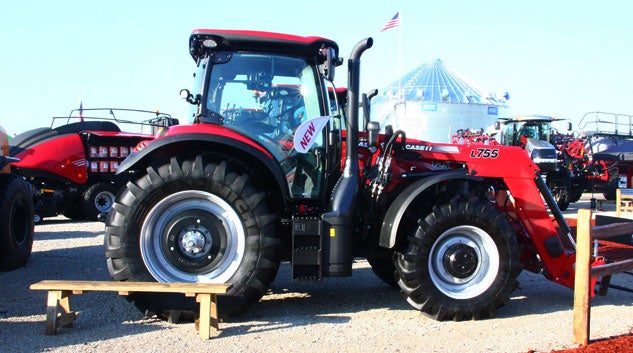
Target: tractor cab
533 133
276 97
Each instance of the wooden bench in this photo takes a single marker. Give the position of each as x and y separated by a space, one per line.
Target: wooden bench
58 313
585 235
623 201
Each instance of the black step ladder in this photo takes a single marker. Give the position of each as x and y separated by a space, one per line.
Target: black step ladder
307 243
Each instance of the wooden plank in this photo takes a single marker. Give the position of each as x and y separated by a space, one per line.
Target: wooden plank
612 268
219 288
59 291
611 230
582 280
623 201
618 202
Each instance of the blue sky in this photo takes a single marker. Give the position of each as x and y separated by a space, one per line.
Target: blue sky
561 58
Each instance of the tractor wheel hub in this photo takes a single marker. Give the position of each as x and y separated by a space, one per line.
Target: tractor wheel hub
460 260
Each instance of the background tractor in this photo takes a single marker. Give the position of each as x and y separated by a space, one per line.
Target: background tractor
547 148
72 164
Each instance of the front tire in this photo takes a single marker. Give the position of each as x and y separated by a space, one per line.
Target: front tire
461 263
193 221
16 227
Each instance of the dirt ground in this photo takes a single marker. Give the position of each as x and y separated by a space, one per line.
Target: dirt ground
616 344
357 314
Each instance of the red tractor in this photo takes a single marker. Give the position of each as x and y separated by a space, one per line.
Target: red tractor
72 166
259 178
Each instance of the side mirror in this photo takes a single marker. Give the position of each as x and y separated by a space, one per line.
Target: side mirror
497 125
366 109
366 104
186 95
330 63
373 127
569 127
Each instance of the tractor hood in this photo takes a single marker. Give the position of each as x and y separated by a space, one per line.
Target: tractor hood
542 153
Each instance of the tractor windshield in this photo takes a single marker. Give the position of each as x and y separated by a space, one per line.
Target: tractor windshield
265 97
517 132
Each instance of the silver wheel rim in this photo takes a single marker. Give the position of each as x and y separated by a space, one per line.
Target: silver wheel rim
154 227
482 271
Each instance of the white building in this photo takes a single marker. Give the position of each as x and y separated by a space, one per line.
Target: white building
432 102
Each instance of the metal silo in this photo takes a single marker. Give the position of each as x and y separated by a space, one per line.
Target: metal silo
432 101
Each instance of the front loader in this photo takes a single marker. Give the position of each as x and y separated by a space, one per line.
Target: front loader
272 169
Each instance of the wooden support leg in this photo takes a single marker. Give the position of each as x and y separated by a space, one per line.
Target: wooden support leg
58 311
204 322
208 315
214 312
582 290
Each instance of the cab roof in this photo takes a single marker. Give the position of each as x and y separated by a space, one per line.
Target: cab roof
529 118
246 40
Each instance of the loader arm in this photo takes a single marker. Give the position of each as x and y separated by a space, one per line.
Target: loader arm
548 237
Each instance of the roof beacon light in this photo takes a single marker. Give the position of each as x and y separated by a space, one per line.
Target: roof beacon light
209 43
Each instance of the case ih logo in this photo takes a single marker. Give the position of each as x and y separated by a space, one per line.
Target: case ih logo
307 133
429 148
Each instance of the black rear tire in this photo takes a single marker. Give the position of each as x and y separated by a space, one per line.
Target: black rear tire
461 263
73 210
233 234
382 264
16 227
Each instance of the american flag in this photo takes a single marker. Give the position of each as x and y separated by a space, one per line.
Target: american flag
394 22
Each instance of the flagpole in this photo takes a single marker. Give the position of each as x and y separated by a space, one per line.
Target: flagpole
395 21
401 96
81 106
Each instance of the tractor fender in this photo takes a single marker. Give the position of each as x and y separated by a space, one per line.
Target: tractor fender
255 155
393 216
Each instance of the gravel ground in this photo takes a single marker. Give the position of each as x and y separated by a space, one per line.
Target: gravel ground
355 314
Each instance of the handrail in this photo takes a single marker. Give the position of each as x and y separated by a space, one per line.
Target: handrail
607 123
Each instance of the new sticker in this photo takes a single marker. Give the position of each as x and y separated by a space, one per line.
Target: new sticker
307 133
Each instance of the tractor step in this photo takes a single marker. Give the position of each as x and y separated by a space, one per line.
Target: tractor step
307 240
